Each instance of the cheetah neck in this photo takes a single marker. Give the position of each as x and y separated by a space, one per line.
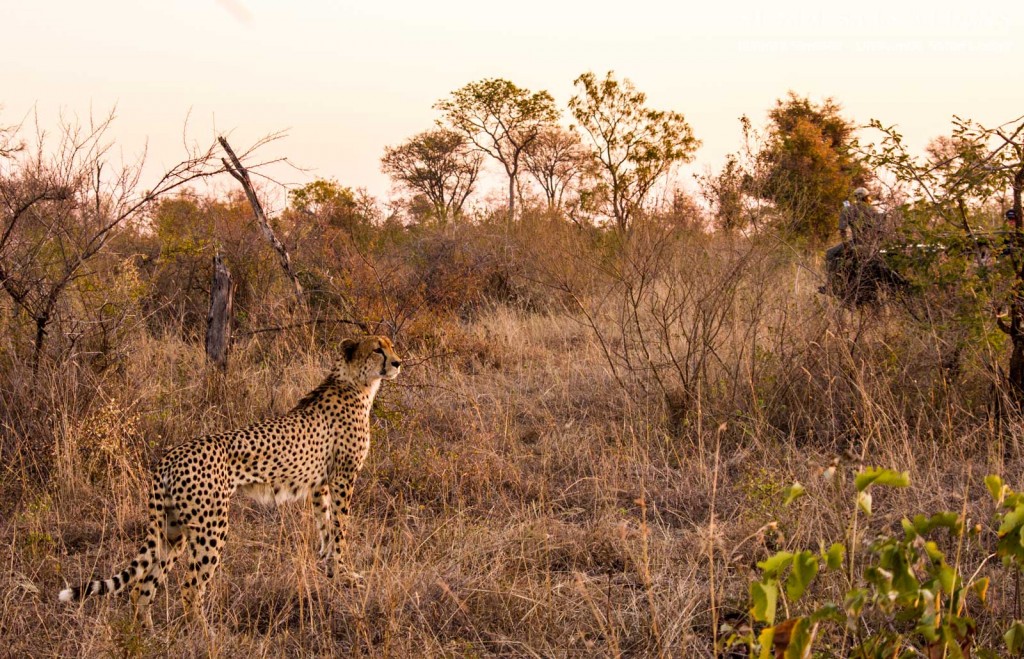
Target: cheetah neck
358 394
361 394
354 440
371 391
362 390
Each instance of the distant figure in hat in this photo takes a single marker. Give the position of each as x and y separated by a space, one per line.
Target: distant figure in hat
855 266
859 221
858 224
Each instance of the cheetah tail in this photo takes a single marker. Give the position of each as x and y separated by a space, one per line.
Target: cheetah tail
139 566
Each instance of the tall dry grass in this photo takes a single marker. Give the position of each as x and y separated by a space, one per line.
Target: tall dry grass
586 461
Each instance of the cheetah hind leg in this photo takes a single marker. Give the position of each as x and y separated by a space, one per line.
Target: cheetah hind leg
144 591
204 545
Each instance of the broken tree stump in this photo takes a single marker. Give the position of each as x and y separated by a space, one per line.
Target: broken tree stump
218 320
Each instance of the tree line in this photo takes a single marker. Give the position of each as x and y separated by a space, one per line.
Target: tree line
603 163
607 162
616 151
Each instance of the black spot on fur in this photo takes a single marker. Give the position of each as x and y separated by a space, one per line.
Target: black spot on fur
313 397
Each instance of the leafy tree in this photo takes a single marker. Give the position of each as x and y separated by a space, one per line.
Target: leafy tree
636 146
329 225
734 194
556 160
501 120
330 203
183 234
724 192
810 164
955 196
437 164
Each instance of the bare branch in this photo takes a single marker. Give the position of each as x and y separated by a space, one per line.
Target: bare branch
234 166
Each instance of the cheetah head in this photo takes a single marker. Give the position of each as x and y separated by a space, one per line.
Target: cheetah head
369 359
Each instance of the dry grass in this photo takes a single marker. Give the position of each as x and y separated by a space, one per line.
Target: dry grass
520 499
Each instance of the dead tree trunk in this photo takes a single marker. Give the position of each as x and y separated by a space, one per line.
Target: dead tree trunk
1015 328
241 174
1017 321
218 321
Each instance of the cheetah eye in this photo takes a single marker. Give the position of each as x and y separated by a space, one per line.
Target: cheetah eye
379 351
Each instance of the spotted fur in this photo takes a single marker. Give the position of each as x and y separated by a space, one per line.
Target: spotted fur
317 449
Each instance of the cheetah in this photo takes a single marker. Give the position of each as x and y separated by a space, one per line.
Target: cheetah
317 449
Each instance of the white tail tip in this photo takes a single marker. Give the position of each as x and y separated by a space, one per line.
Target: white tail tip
66 595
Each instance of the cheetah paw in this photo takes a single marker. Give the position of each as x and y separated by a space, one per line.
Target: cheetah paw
351 579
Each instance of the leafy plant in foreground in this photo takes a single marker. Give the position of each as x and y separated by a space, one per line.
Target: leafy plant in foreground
903 597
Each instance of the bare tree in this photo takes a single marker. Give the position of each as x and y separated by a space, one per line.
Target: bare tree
557 159
59 211
9 144
60 207
438 164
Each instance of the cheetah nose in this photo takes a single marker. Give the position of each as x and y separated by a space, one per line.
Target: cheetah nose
396 363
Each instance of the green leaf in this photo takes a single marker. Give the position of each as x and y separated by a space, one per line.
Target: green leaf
772 565
1010 546
829 611
894 571
864 502
805 568
1012 521
995 487
879 577
923 525
794 492
933 551
766 639
1014 637
881 476
927 626
800 637
980 588
855 601
765 596
835 555
947 577
952 644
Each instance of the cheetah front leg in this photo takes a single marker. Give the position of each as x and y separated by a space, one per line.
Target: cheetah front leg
322 512
340 496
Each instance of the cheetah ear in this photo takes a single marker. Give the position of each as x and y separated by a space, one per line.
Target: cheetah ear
348 349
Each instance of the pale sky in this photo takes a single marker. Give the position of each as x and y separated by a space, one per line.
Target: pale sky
344 79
